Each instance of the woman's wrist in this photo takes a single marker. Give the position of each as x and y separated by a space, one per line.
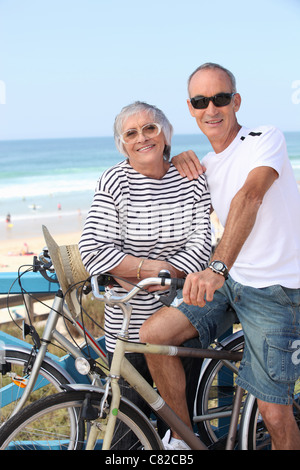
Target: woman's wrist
138 273
151 268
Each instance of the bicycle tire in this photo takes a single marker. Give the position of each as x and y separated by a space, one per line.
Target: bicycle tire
215 395
254 434
19 433
17 360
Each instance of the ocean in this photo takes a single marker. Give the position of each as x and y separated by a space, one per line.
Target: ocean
43 178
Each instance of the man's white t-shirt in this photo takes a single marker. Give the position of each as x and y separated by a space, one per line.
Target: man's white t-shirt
271 253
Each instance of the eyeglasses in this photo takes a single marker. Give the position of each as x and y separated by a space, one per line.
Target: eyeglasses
131 136
219 100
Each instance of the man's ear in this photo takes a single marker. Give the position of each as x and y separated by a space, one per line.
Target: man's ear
237 100
191 109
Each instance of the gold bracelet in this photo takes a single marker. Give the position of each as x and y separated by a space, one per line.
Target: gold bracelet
139 269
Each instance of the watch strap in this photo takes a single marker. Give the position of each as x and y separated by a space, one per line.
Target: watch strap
223 270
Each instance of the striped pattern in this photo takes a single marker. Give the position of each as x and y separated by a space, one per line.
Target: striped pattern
167 219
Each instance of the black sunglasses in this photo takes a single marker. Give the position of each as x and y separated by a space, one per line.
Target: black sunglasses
219 100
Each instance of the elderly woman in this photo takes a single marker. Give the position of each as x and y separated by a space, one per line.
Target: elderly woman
145 217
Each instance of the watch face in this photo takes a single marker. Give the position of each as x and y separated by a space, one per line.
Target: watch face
218 265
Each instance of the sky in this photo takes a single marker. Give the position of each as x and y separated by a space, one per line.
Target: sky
67 67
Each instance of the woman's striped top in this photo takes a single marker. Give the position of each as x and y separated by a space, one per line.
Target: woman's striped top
166 219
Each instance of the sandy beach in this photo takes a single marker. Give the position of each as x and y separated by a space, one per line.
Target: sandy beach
25 237
22 241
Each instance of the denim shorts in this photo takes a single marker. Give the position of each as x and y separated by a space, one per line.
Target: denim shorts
270 318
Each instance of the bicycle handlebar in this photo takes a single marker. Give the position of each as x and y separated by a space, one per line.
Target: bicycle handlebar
43 264
162 280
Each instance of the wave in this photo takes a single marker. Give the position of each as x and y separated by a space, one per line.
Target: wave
46 185
6 175
42 214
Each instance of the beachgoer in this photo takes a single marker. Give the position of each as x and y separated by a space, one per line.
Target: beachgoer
8 221
144 218
25 249
255 195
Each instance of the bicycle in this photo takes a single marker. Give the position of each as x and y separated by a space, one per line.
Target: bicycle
101 409
212 415
50 368
90 413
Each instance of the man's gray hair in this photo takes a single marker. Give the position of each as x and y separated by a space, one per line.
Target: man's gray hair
211 65
155 115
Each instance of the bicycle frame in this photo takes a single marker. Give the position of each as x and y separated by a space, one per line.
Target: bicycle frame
121 367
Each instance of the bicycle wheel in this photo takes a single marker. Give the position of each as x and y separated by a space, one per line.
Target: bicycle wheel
214 398
254 434
13 381
56 422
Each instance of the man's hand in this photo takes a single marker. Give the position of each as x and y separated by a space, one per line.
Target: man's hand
199 288
188 164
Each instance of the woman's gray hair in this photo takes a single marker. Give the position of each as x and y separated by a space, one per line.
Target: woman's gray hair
156 116
211 65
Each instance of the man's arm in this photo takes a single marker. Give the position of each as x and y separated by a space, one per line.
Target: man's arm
242 213
240 221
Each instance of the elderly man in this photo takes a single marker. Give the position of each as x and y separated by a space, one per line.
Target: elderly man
255 268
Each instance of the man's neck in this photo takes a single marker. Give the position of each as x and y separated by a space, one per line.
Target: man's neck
220 145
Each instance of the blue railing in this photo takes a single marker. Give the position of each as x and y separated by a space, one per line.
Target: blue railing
31 282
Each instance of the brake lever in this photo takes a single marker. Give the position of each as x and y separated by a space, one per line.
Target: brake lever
171 300
42 268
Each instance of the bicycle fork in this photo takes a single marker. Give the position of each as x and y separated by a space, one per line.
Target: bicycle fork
104 425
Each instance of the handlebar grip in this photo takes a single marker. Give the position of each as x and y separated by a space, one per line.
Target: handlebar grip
105 280
179 283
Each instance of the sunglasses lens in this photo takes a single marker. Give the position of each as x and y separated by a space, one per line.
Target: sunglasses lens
222 99
200 102
130 135
149 131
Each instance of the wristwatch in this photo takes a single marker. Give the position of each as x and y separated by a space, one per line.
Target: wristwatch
219 267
